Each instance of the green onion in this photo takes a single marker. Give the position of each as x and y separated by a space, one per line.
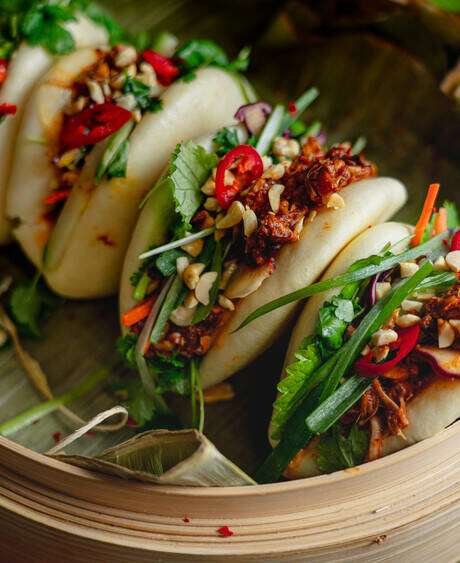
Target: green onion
437 280
46 407
167 307
141 287
113 147
359 145
296 433
329 411
270 130
313 129
177 243
195 388
301 105
430 247
202 311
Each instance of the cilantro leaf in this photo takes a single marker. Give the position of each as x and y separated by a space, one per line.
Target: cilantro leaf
126 346
226 140
130 391
166 262
142 94
198 53
190 167
339 451
30 302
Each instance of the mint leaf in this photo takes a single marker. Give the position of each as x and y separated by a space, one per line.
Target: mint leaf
308 361
339 451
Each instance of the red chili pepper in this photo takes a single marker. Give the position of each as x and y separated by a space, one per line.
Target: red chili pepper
292 108
57 436
131 422
57 196
3 69
7 109
249 164
165 69
93 124
224 531
407 339
455 244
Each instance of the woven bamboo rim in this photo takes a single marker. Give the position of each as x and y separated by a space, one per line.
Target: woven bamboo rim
393 506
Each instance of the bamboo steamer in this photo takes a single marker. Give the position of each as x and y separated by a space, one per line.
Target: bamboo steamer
402 506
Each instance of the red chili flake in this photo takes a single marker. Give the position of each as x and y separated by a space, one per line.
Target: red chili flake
186 520
57 436
165 70
57 196
224 531
292 108
131 422
3 69
445 241
7 109
90 433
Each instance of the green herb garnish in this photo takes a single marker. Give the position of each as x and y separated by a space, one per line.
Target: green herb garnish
339 452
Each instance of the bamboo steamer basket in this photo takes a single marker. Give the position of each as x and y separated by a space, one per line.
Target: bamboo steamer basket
402 506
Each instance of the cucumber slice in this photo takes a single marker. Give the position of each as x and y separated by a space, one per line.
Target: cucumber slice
115 144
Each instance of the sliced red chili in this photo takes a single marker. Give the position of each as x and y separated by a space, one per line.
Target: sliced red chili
57 196
165 69
7 109
249 166
455 244
407 339
93 124
292 108
3 69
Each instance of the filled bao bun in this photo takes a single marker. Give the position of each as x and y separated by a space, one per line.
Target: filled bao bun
26 67
430 411
95 224
298 264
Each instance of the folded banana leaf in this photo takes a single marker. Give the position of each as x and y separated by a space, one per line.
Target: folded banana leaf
181 457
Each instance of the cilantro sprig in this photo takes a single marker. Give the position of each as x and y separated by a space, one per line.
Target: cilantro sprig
30 302
338 451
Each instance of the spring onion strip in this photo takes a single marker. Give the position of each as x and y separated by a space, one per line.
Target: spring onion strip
296 433
167 307
428 248
177 243
301 105
270 130
313 129
141 287
38 412
359 145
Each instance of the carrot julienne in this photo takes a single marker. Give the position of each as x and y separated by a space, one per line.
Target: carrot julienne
440 223
57 196
426 214
138 313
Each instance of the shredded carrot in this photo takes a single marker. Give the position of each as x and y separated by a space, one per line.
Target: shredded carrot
440 223
426 214
138 313
57 196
